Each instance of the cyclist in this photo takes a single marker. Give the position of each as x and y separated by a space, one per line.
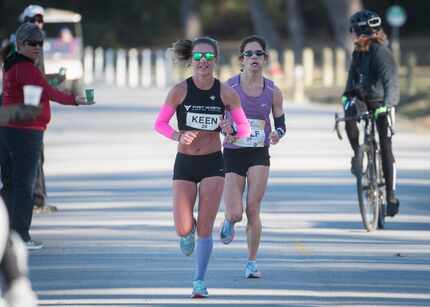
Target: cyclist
199 103
247 160
373 79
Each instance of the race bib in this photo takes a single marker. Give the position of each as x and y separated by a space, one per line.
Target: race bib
203 121
257 137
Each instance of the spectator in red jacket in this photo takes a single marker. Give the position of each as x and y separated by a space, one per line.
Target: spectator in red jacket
20 142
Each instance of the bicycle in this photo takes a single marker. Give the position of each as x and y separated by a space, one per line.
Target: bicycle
368 168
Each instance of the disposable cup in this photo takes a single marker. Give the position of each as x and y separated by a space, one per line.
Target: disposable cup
32 94
89 94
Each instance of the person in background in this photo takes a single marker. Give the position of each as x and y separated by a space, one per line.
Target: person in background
20 142
15 285
34 14
14 280
200 103
373 79
247 160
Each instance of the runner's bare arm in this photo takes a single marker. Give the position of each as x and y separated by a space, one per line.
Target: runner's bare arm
278 108
229 97
278 116
232 102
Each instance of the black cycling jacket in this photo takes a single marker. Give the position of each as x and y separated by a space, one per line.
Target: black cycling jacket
373 76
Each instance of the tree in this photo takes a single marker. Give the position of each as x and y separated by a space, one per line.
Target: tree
295 26
263 24
191 19
339 12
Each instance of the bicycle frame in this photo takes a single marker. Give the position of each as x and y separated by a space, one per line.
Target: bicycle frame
370 184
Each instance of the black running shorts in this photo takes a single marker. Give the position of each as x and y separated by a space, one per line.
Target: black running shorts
241 159
197 167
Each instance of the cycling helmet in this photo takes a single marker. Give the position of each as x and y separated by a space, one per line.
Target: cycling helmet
365 22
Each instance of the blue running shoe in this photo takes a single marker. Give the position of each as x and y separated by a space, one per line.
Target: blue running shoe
199 289
187 243
227 232
251 270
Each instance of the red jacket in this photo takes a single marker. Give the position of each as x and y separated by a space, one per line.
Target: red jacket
18 71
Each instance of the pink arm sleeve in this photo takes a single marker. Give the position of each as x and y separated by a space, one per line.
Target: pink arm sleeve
242 123
162 122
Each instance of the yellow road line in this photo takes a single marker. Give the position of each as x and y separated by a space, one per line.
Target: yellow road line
302 249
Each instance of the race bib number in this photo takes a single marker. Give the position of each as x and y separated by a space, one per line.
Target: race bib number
202 121
257 137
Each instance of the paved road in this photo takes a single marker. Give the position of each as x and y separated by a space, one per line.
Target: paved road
113 243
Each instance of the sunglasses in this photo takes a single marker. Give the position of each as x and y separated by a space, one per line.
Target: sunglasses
209 56
250 53
34 43
35 20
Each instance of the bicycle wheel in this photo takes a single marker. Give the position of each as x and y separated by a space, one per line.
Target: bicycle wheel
367 187
381 191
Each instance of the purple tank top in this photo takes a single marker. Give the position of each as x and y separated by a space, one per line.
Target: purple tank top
257 110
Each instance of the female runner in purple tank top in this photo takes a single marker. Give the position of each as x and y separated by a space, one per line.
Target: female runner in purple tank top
199 103
247 160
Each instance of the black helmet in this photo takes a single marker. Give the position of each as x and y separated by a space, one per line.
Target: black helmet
365 22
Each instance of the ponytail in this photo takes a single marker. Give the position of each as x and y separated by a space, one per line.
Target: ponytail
183 48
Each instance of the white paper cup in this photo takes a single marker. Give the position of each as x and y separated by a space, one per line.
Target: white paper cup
32 94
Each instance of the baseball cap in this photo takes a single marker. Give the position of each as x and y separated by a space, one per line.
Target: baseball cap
28 32
31 11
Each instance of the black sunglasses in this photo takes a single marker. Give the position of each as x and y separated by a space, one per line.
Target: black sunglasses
35 19
34 43
250 53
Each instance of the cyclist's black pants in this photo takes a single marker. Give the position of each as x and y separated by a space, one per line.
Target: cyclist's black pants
388 160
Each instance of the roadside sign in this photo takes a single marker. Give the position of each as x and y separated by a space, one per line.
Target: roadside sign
396 16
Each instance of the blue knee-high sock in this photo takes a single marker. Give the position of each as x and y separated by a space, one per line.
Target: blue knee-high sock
204 250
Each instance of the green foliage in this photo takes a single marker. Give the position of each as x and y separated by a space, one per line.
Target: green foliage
129 23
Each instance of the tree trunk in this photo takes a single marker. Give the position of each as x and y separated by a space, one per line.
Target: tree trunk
339 12
295 27
191 18
263 24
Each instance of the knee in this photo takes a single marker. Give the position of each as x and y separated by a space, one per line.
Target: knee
235 216
183 230
22 187
351 128
253 214
387 150
387 155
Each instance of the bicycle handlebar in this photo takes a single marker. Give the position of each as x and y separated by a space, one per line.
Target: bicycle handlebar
338 119
364 115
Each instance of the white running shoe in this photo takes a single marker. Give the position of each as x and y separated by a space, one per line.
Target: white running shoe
33 245
251 270
199 289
